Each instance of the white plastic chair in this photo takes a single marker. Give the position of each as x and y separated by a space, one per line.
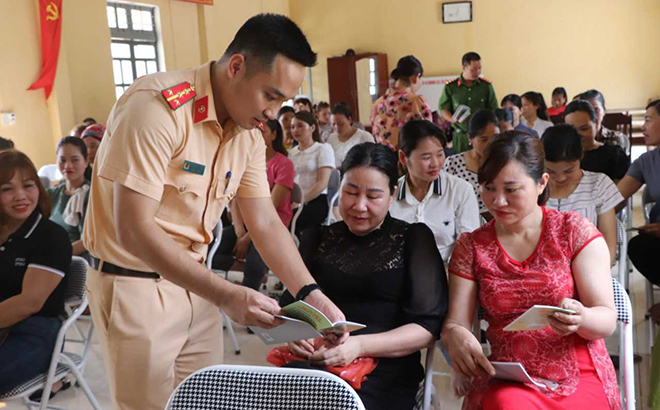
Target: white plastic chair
626 355
257 387
52 172
217 233
72 299
62 363
333 185
297 197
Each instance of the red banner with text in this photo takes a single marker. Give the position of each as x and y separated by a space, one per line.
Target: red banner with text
50 18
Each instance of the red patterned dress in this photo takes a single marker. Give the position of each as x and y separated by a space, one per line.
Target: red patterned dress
507 288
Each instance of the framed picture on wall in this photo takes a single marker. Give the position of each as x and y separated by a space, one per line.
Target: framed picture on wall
457 12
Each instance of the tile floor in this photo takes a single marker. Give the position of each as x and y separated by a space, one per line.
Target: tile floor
253 352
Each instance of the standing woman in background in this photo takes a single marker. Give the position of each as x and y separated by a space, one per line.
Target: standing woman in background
313 162
400 103
535 112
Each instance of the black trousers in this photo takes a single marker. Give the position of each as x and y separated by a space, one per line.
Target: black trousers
642 252
314 213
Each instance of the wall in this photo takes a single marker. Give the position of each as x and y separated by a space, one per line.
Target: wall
525 45
191 35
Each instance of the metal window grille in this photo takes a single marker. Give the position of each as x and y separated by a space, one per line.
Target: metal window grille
134 43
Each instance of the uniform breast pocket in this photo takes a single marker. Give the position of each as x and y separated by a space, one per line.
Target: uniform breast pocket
184 198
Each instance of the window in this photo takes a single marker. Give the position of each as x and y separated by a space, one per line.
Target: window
134 45
373 81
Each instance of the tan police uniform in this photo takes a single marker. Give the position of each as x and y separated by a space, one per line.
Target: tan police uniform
164 141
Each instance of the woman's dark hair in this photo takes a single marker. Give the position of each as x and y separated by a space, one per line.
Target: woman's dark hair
538 100
583 106
76 142
372 155
562 143
278 142
521 147
503 114
594 94
266 35
560 91
308 117
656 104
513 99
415 131
284 110
407 67
480 120
89 121
12 161
342 109
304 101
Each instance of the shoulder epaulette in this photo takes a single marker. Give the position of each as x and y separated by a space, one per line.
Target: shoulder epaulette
484 79
179 94
451 81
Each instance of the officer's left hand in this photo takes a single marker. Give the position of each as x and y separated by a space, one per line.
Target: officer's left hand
241 247
320 301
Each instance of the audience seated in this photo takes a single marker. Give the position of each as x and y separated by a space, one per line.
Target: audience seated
643 248
559 100
504 119
303 104
529 255
69 199
35 254
285 117
313 162
345 136
591 194
606 135
513 102
382 272
400 103
6 144
236 243
426 193
92 137
535 112
610 160
323 113
482 129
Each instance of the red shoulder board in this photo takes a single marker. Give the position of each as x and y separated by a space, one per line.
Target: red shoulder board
179 94
486 80
451 81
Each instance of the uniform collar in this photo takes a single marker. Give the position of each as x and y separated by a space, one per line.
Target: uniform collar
204 106
437 188
461 81
28 227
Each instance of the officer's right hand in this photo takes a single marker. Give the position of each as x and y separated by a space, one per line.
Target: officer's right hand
251 308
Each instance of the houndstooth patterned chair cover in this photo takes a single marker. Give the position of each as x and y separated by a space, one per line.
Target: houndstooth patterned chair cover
255 387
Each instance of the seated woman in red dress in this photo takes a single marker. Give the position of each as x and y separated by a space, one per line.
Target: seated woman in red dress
529 255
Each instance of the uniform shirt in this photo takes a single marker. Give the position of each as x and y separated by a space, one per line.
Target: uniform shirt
392 110
539 125
59 199
279 170
183 158
449 209
594 195
308 162
341 148
38 243
479 95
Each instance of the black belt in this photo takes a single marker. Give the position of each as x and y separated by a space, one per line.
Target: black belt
108 267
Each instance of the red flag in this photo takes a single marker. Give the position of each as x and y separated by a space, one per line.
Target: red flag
50 16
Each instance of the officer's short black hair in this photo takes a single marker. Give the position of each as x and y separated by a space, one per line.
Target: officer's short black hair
266 35
469 57
6 144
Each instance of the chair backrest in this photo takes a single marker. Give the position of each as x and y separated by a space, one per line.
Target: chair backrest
76 277
619 121
256 387
622 303
335 179
297 195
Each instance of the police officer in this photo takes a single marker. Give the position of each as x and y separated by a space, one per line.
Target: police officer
178 147
469 90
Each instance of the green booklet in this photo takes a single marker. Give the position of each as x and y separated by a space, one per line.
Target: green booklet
303 321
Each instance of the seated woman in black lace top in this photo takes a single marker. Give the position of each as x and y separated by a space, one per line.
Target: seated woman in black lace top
382 272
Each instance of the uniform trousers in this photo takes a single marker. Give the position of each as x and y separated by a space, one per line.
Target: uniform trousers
153 334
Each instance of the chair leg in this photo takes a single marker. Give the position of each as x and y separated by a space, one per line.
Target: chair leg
88 392
650 302
230 328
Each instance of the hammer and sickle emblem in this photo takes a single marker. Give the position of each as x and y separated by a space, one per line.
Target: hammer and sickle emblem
52 12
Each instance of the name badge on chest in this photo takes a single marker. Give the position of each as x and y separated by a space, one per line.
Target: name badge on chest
193 167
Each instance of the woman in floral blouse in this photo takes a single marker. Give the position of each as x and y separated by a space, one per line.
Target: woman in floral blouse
400 103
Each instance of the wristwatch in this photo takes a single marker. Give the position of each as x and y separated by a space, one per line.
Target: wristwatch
306 290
